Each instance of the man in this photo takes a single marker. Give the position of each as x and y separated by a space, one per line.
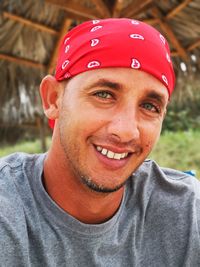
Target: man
93 199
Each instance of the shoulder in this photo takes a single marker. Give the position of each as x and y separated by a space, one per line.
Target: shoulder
15 171
167 191
16 163
13 216
169 204
186 181
169 179
166 194
18 167
11 210
10 169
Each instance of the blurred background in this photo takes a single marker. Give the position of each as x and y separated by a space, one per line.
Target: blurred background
30 34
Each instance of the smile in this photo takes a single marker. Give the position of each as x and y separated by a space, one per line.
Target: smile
110 154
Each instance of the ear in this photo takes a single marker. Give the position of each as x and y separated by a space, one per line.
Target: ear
51 93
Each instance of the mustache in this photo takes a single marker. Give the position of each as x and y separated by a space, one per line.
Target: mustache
131 145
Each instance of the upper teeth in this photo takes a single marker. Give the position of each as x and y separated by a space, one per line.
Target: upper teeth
111 154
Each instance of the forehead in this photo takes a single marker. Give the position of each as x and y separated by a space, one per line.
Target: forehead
121 79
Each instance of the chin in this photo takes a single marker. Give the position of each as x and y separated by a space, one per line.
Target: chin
100 188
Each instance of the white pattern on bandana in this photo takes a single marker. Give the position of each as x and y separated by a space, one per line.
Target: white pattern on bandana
96 28
164 78
65 63
95 21
162 38
93 64
67 48
66 40
136 36
168 58
135 22
135 64
94 42
67 75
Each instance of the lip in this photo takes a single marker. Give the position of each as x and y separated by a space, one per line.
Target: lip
115 149
111 164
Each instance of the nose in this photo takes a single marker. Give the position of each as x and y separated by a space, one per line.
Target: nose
124 126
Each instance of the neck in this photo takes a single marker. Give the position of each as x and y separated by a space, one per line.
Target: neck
73 196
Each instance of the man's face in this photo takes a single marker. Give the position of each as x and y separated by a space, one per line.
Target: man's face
109 121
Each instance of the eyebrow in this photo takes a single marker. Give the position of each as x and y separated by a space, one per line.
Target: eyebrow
106 83
154 95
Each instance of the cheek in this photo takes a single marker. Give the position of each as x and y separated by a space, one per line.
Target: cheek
82 124
150 134
149 146
89 119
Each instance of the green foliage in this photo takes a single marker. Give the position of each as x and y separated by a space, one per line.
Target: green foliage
181 120
184 107
179 150
23 146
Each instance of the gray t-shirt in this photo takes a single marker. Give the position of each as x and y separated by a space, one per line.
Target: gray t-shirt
157 224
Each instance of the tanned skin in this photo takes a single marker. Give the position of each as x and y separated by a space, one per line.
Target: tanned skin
120 110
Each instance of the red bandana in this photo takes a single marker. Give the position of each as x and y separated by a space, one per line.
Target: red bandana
115 43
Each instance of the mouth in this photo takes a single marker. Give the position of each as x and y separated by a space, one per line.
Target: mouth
111 154
113 158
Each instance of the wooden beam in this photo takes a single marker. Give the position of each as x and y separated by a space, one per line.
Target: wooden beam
177 9
73 8
29 23
22 61
65 27
117 8
102 8
168 31
71 15
194 45
174 54
174 40
132 9
151 21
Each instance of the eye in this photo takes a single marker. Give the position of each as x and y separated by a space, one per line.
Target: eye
103 94
151 107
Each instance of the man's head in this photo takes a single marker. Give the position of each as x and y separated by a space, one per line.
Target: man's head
109 112
115 43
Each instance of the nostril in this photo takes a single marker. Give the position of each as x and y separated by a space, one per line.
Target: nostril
115 137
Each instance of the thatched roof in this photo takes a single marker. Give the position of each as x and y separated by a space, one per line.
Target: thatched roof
30 32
